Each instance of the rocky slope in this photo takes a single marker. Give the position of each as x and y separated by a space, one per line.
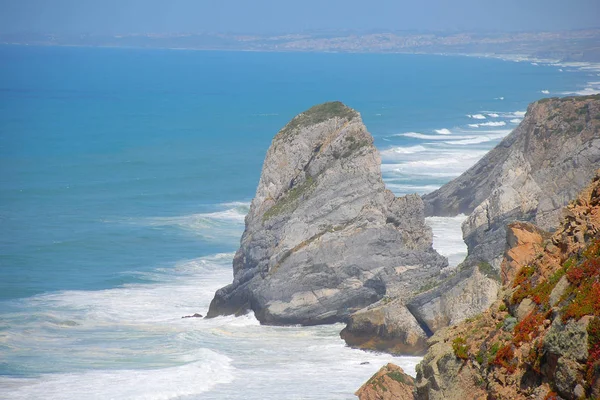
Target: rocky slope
529 176
541 338
324 237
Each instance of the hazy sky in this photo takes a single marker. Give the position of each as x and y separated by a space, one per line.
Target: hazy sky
269 16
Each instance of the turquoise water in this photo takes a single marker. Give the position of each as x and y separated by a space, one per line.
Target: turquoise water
125 175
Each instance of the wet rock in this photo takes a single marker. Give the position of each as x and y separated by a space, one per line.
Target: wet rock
386 326
196 315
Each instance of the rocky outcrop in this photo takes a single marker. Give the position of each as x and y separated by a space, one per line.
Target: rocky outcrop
541 338
524 240
529 176
389 383
402 325
386 326
457 298
324 237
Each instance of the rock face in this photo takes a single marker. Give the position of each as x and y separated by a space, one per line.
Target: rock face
389 383
323 236
386 326
529 176
457 298
524 240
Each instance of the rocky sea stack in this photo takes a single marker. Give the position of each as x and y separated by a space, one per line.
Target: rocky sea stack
324 237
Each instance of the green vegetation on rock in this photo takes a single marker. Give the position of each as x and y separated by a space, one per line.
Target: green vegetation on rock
398 377
489 271
289 198
354 145
317 114
459 345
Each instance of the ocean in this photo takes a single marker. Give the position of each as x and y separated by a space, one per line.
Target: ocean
125 176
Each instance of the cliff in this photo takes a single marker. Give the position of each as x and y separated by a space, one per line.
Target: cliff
529 176
541 338
323 236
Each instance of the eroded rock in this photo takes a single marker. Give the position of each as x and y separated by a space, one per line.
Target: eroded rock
324 237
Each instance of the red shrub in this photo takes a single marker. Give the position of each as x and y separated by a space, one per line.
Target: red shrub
527 329
505 357
588 269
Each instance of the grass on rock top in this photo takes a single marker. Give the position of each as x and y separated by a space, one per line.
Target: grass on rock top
318 114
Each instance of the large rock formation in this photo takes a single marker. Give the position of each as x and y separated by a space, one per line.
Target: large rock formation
529 176
402 325
387 326
323 236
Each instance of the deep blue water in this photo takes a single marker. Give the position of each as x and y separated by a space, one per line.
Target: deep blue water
118 163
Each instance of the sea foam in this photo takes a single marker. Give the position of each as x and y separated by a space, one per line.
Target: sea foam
190 379
476 116
447 238
214 225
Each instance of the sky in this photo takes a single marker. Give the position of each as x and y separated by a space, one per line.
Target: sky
288 16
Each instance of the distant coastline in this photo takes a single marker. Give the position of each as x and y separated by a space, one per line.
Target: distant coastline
547 47
592 65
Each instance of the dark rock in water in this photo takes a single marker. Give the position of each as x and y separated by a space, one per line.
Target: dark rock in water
365 363
196 315
386 326
324 237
